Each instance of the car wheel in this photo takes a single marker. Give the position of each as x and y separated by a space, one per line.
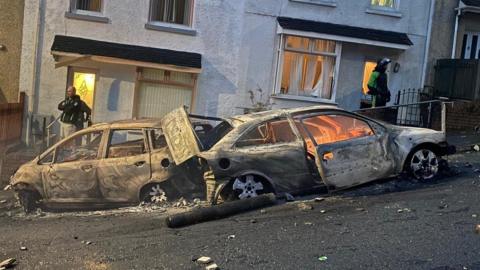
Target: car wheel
28 200
424 164
154 193
248 186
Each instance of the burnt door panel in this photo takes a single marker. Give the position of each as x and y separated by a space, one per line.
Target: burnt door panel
353 162
72 181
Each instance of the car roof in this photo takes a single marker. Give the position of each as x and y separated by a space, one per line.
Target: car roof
132 123
273 113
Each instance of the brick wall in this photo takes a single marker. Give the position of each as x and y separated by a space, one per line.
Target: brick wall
463 115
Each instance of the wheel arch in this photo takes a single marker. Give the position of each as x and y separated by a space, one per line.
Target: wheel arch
425 145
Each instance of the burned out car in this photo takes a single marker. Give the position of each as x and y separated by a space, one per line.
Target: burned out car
107 164
288 150
295 150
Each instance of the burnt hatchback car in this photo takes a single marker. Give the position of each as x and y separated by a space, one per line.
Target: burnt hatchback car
294 150
109 164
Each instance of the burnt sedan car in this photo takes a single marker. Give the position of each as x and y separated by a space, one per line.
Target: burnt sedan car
108 164
294 150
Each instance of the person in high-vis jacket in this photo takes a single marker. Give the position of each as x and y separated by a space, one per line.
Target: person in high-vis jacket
72 112
378 84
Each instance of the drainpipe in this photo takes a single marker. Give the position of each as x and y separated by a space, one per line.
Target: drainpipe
427 45
37 53
455 31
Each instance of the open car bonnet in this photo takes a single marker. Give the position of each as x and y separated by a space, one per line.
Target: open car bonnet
180 136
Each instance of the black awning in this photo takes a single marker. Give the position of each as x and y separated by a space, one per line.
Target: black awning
124 51
473 3
345 30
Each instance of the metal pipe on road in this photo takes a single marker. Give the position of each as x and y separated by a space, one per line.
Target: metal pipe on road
220 211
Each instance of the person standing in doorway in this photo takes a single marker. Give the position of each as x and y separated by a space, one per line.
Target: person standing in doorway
71 109
378 84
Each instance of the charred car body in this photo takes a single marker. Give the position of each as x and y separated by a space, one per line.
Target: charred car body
240 157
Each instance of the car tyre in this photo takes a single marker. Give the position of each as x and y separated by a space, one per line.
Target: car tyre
423 163
154 193
28 200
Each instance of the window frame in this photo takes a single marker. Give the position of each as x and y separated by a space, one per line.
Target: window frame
256 125
172 27
305 115
146 142
99 152
327 3
74 10
280 55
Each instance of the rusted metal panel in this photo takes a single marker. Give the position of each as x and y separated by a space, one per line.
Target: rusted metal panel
180 136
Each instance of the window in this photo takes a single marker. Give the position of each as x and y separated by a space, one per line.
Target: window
80 6
388 4
126 143
308 67
81 147
272 132
171 11
158 139
471 46
334 128
47 159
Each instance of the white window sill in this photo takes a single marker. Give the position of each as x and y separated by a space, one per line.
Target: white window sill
317 2
172 28
384 12
304 98
87 17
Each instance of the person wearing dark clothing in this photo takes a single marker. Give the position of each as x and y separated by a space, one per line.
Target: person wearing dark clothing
378 84
73 110
85 116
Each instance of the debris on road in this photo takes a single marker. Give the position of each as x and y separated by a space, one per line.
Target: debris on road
10 262
3 201
232 236
468 165
319 199
253 221
474 215
23 248
308 223
477 229
212 266
406 210
204 260
360 209
476 147
304 206
323 211
323 258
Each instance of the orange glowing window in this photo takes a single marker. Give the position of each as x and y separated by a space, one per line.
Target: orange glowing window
333 128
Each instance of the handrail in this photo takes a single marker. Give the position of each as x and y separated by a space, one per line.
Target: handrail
49 129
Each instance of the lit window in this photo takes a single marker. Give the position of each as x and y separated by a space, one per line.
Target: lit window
308 67
384 3
86 5
171 11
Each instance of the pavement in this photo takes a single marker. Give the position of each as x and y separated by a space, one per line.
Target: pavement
391 224
464 140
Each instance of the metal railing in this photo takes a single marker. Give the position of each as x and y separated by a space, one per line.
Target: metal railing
48 138
426 114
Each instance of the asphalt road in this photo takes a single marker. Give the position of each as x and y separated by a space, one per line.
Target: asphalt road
394 224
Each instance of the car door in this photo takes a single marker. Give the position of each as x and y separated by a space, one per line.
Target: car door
273 149
347 150
125 166
72 177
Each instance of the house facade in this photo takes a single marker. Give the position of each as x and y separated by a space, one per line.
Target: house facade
11 27
143 58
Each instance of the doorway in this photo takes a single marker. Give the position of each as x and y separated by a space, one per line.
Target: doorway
84 80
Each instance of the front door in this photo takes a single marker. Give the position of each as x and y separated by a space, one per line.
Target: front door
126 166
72 177
347 151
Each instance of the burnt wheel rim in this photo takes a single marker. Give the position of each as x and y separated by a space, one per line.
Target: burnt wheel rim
247 187
424 164
156 194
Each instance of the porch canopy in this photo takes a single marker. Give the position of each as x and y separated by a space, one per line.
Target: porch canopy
81 49
344 33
